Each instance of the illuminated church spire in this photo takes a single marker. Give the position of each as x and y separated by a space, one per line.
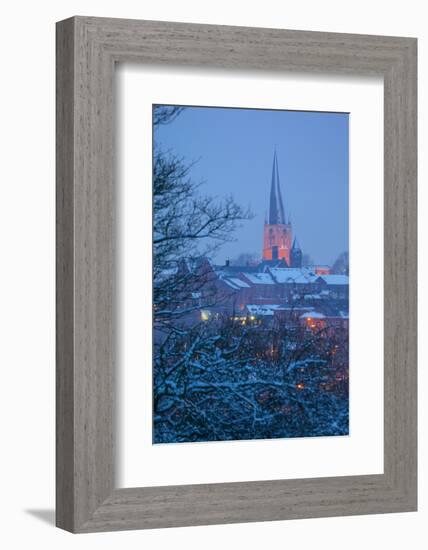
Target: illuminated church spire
276 206
277 233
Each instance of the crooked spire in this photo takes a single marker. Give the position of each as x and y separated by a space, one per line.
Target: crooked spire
276 206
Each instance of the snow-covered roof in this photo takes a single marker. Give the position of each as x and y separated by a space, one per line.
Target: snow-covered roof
230 284
292 275
335 279
265 309
312 315
259 278
235 283
239 282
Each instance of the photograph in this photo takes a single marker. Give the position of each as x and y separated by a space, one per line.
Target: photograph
250 274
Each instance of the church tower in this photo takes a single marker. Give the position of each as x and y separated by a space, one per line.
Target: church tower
277 232
296 254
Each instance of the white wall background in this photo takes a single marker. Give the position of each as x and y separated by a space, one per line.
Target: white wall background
27 272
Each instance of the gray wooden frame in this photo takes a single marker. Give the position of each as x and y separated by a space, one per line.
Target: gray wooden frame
87 50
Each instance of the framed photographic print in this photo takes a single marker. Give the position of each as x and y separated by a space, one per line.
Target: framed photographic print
250 336
236 274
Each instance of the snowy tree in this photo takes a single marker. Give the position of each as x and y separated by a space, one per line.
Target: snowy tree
241 382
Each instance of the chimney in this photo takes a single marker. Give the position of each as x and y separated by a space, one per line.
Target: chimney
274 253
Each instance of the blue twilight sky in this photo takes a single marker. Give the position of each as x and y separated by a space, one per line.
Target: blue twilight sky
234 152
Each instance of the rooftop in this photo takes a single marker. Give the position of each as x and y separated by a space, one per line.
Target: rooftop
335 279
292 275
266 309
259 278
235 283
